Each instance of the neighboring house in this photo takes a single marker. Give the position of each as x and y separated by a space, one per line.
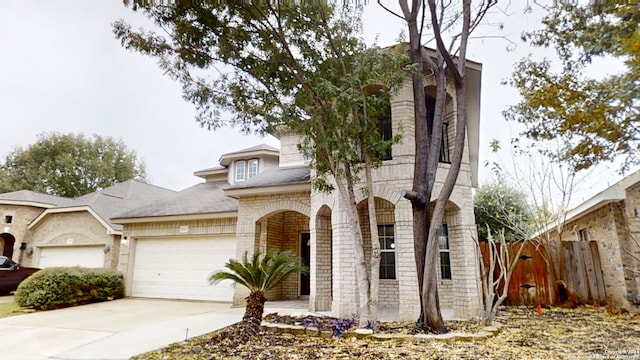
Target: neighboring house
41 230
611 219
261 198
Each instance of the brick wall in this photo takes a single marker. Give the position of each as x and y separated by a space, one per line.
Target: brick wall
631 239
603 225
74 229
21 217
252 232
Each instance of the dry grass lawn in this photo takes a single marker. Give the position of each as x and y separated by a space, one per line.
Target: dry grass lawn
557 333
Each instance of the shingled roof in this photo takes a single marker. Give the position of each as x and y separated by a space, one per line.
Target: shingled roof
202 198
120 197
28 196
278 176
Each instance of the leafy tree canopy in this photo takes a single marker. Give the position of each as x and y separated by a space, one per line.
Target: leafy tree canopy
267 66
597 118
69 165
501 207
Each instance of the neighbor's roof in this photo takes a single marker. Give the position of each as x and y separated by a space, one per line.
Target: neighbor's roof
203 198
31 198
612 194
104 204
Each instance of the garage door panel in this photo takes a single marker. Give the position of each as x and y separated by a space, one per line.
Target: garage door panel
85 256
180 268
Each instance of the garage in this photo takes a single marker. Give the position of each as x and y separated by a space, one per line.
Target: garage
177 268
85 256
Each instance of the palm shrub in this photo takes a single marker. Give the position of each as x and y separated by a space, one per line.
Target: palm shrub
259 274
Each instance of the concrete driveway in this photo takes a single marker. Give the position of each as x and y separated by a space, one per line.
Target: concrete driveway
111 330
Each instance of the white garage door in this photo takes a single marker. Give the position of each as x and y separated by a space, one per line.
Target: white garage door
180 268
86 256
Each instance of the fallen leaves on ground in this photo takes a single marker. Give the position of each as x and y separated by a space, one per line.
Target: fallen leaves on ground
557 333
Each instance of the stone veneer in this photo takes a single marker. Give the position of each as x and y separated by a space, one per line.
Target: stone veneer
22 215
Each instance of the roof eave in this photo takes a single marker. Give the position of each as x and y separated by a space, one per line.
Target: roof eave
181 217
268 189
27 203
44 214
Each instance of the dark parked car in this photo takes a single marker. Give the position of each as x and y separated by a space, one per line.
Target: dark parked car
12 274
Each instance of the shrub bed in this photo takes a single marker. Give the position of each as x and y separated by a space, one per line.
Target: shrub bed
59 287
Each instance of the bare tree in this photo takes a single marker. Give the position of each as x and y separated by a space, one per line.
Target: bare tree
440 21
495 288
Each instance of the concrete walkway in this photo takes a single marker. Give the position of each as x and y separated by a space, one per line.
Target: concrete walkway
123 328
111 330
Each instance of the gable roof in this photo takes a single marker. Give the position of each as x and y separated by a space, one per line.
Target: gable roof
104 204
32 198
201 200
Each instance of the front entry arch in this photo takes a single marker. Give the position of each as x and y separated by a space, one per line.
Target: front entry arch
7 241
285 230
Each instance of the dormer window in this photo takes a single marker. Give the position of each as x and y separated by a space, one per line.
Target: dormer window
253 168
240 170
246 169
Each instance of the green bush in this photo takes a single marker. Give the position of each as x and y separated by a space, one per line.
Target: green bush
59 287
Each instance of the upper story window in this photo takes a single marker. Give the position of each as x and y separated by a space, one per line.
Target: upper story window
252 169
8 219
246 169
240 170
308 153
386 133
444 143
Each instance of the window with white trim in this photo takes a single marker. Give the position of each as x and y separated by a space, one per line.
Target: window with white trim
252 169
386 235
445 258
240 170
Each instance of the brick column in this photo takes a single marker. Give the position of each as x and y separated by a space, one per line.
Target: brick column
343 265
464 261
409 299
320 298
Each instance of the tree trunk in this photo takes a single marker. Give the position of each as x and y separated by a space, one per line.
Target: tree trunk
419 204
347 199
374 285
253 313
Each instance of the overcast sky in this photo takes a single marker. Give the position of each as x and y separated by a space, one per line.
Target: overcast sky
61 69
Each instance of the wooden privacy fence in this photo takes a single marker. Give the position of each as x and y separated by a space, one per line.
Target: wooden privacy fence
576 263
581 271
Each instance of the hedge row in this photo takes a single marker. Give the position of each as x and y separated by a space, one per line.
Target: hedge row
60 287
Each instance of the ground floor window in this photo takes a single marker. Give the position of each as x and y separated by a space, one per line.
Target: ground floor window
386 236
445 259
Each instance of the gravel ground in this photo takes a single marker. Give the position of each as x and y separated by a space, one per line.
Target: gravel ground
557 333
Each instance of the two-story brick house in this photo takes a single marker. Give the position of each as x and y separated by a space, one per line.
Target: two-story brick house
168 243
261 198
